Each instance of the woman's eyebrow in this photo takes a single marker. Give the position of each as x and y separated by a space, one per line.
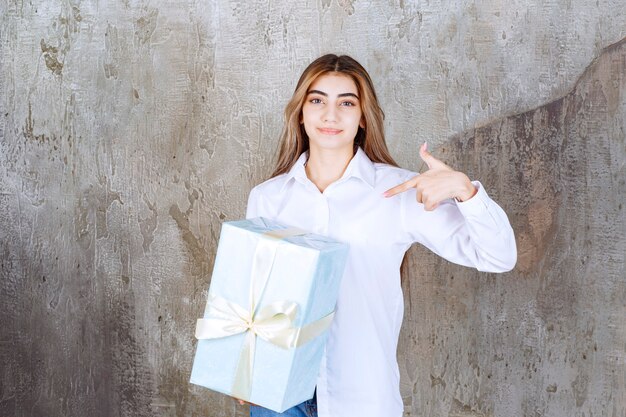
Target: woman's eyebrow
339 95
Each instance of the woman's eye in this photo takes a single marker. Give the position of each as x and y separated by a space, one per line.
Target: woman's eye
315 100
347 104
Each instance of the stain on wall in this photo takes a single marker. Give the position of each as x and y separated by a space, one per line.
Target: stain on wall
129 131
538 340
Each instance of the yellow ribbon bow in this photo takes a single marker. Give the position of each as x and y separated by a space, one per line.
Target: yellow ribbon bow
273 322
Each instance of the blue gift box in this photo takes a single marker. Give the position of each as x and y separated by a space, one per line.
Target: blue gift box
271 299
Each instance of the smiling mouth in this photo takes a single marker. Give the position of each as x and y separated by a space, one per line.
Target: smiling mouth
327 131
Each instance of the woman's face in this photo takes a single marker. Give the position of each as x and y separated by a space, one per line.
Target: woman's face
331 113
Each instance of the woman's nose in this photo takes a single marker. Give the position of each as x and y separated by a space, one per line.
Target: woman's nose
329 114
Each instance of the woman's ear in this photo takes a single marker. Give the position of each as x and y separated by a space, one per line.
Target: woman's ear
362 123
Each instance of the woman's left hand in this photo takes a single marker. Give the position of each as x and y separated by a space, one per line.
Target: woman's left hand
438 183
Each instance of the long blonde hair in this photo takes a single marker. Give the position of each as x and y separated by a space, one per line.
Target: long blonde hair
294 140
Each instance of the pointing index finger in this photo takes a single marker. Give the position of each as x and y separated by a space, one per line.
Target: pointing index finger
400 188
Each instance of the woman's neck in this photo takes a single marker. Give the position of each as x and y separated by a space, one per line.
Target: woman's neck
325 167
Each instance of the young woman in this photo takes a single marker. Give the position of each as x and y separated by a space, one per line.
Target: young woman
335 177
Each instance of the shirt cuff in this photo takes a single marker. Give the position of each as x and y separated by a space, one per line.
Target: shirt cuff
477 205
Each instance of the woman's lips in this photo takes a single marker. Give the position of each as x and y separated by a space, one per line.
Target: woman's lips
328 131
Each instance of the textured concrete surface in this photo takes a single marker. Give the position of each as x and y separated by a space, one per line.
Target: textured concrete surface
130 130
549 338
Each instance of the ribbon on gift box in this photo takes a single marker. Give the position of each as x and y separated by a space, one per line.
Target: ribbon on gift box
273 322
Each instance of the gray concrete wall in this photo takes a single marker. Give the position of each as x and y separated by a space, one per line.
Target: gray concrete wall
130 130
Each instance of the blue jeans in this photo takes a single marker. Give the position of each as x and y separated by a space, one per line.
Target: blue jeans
305 409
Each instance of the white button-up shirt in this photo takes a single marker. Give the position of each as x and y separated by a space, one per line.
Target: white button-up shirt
359 375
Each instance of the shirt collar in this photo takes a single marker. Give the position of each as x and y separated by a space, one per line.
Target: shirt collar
359 167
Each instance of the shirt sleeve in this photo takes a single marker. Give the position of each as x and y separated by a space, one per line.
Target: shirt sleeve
474 233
